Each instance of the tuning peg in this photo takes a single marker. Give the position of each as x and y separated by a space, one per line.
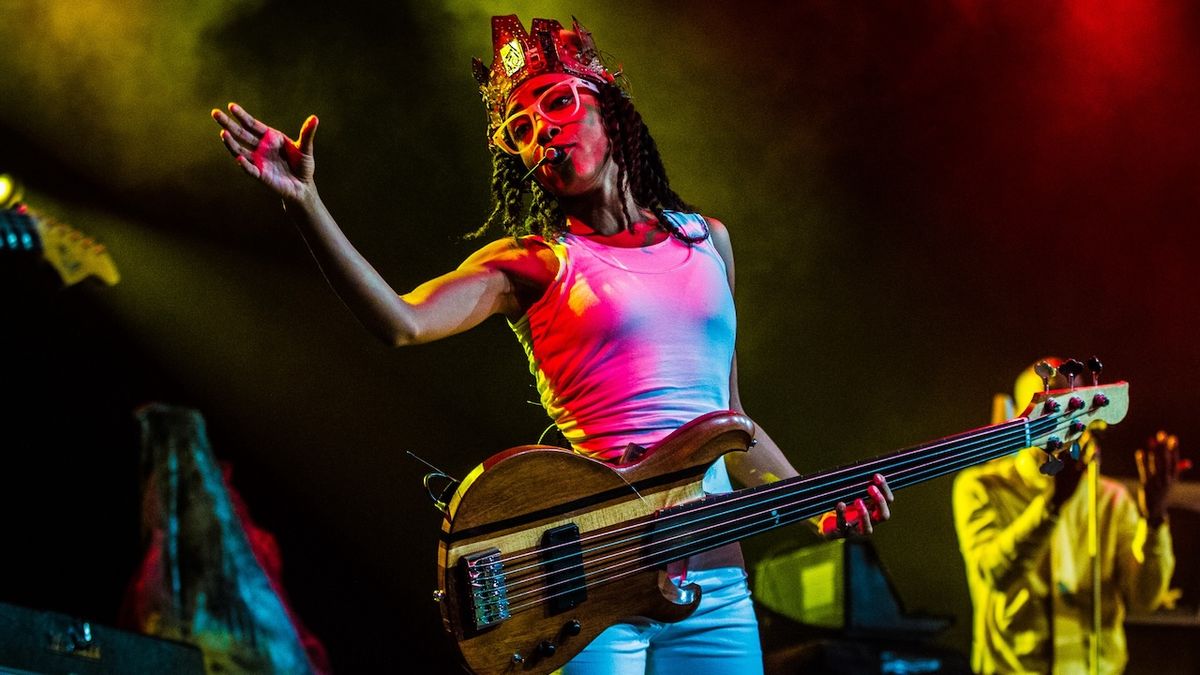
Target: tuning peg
1052 466
1045 371
1095 366
1071 369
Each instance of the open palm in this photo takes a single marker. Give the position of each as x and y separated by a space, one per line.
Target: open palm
283 165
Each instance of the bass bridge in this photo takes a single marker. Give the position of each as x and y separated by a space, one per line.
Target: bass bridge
487 591
558 581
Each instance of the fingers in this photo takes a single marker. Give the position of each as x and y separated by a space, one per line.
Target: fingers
861 516
248 166
1161 462
881 483
1170 464
237 140
864 517
835 524
879 505
880 496
306 134
236 149
846 520
232 128
244 132
239 153
247 121
1159 459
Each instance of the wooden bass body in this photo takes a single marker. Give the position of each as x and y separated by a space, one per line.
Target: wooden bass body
512 505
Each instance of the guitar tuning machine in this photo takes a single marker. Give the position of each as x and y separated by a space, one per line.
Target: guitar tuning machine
1053 464
1095 367
1071 368
1045 371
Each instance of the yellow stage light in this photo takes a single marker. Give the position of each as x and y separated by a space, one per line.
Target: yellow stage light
11 192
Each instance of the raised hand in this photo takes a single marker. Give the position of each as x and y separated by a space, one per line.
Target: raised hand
1159 467
282 164
859 518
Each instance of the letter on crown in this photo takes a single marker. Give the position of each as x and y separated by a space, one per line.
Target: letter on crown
518 55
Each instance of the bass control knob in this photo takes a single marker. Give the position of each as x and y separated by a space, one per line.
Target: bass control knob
572 627
547 648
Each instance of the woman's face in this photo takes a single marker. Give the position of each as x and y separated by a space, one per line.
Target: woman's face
560 112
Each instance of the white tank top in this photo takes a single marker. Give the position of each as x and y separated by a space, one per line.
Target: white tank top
629 344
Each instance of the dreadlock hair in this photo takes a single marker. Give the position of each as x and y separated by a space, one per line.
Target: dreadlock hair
639 170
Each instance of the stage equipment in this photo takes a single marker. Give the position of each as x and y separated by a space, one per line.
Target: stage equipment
34 641
11 190
832 608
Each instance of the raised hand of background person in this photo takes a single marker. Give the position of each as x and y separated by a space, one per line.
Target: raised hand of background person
284 165
1159 467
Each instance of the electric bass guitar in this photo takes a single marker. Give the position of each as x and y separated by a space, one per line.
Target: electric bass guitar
542 549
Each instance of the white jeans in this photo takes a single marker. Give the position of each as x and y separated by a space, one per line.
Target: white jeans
720 638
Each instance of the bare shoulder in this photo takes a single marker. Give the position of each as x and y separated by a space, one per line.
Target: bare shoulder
523 259
720 239
716 227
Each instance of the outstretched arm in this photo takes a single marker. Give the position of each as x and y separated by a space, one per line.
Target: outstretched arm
483 285
766 463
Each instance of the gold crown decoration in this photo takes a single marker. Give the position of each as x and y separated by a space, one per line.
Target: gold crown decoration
518 55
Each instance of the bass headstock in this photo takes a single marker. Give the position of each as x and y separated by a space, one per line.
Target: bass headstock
74 255
1059 417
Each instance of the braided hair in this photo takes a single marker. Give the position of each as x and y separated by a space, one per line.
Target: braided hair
640 171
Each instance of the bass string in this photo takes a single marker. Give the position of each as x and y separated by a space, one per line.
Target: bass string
852 473
788 513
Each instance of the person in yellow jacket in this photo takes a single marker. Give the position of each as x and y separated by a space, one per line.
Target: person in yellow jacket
1024 539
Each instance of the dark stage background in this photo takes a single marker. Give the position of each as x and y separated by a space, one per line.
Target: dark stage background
923 198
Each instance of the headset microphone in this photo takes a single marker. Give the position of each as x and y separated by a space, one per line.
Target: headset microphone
551 156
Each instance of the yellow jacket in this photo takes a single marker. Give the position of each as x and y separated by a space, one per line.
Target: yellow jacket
1025 565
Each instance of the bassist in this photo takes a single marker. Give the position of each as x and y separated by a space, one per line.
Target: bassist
620 294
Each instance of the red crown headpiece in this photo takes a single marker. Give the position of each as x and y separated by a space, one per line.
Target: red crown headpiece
518 56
